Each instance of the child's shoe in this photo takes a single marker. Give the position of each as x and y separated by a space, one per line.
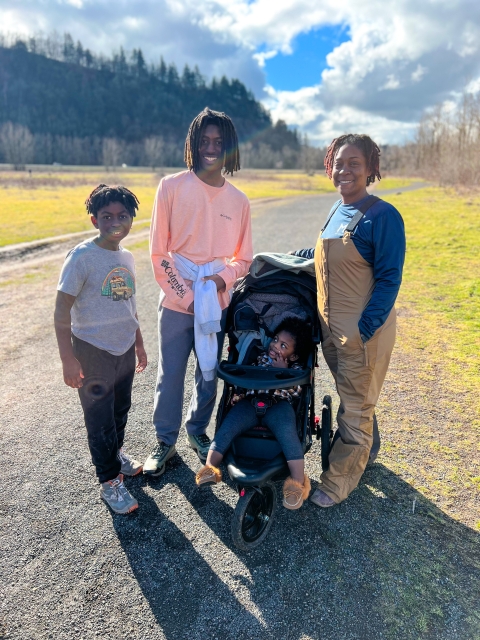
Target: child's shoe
117 496
295 493
208 475
130 467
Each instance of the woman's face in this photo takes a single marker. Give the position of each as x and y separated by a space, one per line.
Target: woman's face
350 173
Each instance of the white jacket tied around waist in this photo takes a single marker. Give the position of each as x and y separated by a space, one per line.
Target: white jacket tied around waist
207 310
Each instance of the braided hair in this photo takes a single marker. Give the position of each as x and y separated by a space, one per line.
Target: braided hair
365 144
231 153
103 195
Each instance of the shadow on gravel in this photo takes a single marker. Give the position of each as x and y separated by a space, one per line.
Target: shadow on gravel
371 567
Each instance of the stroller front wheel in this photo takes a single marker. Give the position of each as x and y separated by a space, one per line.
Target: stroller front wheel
253 516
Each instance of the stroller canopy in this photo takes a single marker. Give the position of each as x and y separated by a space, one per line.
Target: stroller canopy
277 286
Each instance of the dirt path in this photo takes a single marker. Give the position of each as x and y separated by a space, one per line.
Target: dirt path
387 563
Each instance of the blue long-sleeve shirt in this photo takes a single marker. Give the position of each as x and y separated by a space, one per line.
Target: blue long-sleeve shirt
380 239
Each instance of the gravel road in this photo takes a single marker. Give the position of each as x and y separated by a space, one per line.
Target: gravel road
368 568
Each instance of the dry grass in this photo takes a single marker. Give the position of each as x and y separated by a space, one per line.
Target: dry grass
50 203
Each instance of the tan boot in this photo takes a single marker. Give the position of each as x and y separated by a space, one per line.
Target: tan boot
208 475
295 493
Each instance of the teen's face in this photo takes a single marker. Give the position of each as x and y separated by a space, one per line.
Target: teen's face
211 149
113 222
350 173
283 346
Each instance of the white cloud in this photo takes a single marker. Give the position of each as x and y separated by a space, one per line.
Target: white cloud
304 110
400 59
265 55
391 83
419 72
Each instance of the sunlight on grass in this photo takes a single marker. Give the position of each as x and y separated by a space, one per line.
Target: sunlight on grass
441 284
50 203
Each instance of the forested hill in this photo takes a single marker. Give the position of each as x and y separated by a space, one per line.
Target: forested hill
82 96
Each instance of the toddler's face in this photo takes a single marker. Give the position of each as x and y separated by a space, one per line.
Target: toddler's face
282 347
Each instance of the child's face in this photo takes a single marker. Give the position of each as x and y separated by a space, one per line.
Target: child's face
350 173
282 347
113 222
211 149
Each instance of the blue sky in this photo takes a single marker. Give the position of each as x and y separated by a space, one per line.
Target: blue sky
303 67
388 62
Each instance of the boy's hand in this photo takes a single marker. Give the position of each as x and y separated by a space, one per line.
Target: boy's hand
72 373
219 281
141 358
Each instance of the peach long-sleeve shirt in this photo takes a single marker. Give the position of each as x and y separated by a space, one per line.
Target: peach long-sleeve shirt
201 223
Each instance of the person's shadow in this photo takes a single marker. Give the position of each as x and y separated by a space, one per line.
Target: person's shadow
384 564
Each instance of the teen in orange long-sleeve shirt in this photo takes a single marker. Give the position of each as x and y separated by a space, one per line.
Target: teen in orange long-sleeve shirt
202 217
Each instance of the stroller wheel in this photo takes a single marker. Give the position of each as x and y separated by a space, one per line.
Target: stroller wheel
326 434
253 516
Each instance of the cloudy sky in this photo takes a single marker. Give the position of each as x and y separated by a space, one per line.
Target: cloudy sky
324 66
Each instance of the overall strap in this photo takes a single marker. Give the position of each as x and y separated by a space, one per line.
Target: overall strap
329 218
352 225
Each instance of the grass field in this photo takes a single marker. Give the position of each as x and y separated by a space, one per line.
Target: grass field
46 204
441 286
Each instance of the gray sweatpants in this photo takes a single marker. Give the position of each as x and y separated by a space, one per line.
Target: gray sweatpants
175 342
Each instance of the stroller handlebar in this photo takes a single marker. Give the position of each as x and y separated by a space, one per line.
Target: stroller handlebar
251 377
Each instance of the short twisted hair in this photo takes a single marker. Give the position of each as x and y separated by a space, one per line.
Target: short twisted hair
365 144
103 195
231 153
301 332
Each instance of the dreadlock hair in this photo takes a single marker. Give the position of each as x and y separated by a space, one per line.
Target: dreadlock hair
103 195
301 332
367 146
231 153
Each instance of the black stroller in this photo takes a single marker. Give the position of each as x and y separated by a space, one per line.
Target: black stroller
277 286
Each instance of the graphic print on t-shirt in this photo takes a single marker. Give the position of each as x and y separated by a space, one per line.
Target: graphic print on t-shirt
119 284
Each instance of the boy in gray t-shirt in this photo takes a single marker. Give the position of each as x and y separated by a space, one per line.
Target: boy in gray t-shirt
98 335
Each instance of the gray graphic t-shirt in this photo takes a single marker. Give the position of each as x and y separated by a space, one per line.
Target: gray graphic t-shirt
103 283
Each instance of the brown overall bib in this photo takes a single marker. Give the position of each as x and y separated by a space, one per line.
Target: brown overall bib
345 284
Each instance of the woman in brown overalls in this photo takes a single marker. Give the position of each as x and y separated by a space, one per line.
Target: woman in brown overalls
359 260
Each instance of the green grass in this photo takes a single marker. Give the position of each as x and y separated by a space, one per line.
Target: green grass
441 286
396 183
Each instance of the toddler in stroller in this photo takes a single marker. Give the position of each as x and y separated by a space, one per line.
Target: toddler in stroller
277 287
289 348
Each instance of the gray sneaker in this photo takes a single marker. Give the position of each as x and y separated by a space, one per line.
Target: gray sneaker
200 444
154 465
130 467
117 496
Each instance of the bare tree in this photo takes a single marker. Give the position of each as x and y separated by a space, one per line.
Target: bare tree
154 151
448 141
17 144
112 150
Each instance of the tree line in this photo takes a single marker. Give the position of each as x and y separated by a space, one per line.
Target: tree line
59 102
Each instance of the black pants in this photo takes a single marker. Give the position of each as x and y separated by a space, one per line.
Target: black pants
106 399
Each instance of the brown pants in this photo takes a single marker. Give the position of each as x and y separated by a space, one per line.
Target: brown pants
359 371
